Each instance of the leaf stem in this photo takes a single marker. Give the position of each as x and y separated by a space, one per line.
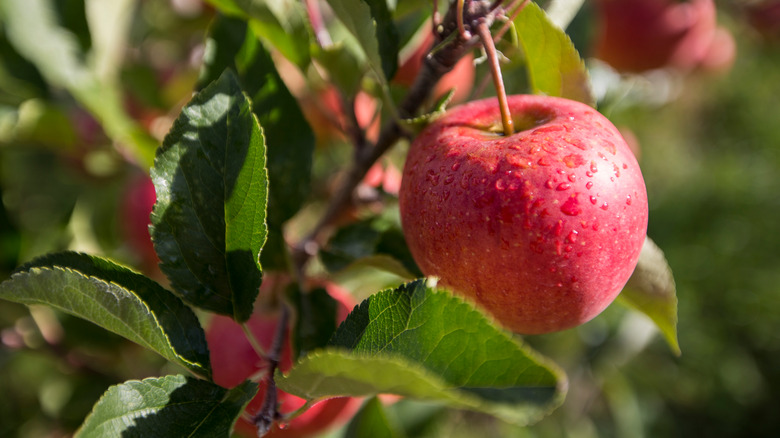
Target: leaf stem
490 49
253 340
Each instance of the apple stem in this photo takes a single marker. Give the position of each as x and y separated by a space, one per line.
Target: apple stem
269 412
495 69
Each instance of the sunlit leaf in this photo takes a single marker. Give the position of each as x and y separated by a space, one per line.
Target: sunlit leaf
117 299
170 406
651 290
426 344
212 190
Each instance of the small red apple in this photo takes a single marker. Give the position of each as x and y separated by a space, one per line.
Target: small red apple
543 227
641 35
461 78
136 205
233 360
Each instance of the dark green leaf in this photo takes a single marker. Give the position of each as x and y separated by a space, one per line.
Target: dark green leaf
368 244
281 24
553 65
289 139
371 421
369 23
212 188
651 290
170 406
316 319
117 299
427 344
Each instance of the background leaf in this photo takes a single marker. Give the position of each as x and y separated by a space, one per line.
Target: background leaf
372 421
369 21
651 290
170 406
281 24
60 61
212 188
117 299
420 343
553 66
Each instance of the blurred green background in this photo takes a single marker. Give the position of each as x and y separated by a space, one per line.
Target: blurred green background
709 149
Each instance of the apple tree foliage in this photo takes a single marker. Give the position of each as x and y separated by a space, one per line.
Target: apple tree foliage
235 168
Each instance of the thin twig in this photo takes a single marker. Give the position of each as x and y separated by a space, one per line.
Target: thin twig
269 412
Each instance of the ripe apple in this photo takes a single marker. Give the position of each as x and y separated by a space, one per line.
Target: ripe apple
640 35
233 360
461 78
542 228
764 17
135 207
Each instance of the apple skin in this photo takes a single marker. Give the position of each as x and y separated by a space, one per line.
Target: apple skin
233 360
542 228
640 35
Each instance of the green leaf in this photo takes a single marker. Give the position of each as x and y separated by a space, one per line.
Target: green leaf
651 290
316 319
117 299
553 65
60 61
170 406
281 24
212 189
369 243
370 23
371 421
290 141
426 344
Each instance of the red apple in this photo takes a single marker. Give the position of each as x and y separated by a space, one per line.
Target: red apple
136 206
461 78
541 228
233 360
640 35
764 17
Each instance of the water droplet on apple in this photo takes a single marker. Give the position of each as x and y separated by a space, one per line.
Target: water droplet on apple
625 166
576 143
628 199
571 207
572 177
589 185
616 169
549 184
500 185
464 180
455 165
593 200
572 237
543 161
449 179
558 228
563 186
604 206
593 167
430 158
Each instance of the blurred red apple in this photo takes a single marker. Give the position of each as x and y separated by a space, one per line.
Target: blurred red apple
461 78
764 17
324 111
135 207
640 35
233 360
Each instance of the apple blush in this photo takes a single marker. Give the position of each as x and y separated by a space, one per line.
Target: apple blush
543 227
